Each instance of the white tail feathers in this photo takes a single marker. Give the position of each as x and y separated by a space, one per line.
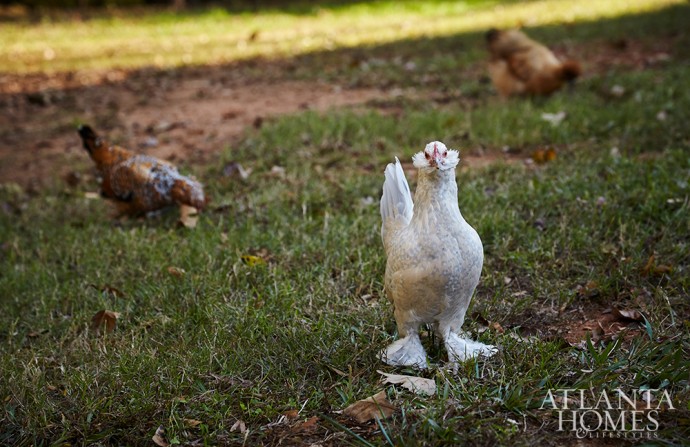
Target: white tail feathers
396 201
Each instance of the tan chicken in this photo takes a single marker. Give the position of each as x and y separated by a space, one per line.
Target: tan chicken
139 183
521 66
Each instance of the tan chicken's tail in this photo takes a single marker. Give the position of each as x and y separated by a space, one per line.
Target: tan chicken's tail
189 192
88 137
570 70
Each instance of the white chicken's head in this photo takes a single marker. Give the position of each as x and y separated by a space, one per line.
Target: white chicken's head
436 156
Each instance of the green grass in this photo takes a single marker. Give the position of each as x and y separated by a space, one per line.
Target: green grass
228 341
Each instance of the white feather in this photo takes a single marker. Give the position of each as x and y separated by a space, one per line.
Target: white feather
396 201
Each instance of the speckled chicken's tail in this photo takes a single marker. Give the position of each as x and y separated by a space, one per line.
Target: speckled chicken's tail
189 192
396 201
88 138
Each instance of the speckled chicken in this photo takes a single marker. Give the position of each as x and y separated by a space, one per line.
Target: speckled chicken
139 183
434 258
521 66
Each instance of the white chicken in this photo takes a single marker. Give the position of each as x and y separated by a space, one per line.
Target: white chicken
434 258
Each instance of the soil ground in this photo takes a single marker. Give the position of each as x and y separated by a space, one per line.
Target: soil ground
184 117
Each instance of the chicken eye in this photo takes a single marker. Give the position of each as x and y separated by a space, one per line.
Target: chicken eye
427 156
445 153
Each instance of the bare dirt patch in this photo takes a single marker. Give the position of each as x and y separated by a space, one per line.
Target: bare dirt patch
186 117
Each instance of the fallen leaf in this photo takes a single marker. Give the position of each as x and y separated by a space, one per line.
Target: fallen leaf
239 426
627 315
554 118
105 318
291 414
159 437
496 326
191 423
662 268
307 426
253 261
176 271
234 169
598 333
617 91
651 267
541 156
370 408
278 171
589 290
189 216
92 195
418 385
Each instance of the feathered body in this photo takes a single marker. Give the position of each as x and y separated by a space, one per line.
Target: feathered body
139 183
434 257
521 66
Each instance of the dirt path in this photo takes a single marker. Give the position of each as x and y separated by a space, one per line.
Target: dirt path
185 118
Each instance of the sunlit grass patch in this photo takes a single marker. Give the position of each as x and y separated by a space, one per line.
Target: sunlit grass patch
165 39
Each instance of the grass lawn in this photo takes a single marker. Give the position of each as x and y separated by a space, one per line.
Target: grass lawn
285 339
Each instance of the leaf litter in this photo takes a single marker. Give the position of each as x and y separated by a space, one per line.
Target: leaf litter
159 437
418 385
373 407
104 320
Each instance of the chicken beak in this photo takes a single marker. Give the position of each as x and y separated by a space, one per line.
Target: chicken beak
436 162
436 158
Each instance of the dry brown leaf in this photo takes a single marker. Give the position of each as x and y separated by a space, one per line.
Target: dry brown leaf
627 315
307 426
191 423
541 156
589 290
176 271
370 408
648 266
418 385
239 426
104 318
496 326
159 438
291 414
189 216
651 267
